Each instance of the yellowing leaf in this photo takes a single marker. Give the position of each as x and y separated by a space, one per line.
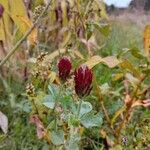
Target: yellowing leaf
36 3
99 4
56 53
111 61
147 40
134 81
93 61
19 16
64 12
7 22
144 103
77 53
118 76
128 66
39 126
66 38
52 77
103 8
25 24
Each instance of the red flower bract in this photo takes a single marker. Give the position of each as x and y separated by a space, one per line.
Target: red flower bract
83 81
1 10
64 67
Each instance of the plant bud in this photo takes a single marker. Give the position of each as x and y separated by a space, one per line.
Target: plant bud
64 67
1 10
83 81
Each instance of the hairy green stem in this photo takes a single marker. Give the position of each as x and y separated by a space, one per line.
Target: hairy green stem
79 107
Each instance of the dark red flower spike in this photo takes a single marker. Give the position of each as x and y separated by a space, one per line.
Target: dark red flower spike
64 67
83 80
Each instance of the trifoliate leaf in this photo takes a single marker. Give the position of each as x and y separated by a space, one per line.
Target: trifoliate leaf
49 101
91 120
86 107
57 137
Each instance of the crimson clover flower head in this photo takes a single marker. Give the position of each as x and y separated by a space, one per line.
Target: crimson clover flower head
1 10
83 80
64 67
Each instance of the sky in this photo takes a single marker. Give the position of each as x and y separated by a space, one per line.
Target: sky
118 3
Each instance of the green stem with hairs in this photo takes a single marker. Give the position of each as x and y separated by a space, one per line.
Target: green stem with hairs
79 107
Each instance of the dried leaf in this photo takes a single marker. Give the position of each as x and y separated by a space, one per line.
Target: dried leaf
57 81
3 122
24 25
52 77
127 99
99 5
103 133
93 61
19 16
111 61
66 37
144 103
128 66
39 126
131 79
55 54
77 53
7 21
118 76
91 43
147 40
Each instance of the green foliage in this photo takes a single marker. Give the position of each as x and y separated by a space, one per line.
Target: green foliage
57 137
49 101
115 109
92 120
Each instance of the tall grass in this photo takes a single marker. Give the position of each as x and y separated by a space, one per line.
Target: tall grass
127 32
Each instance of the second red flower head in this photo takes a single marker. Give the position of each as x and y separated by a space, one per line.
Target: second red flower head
82 76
